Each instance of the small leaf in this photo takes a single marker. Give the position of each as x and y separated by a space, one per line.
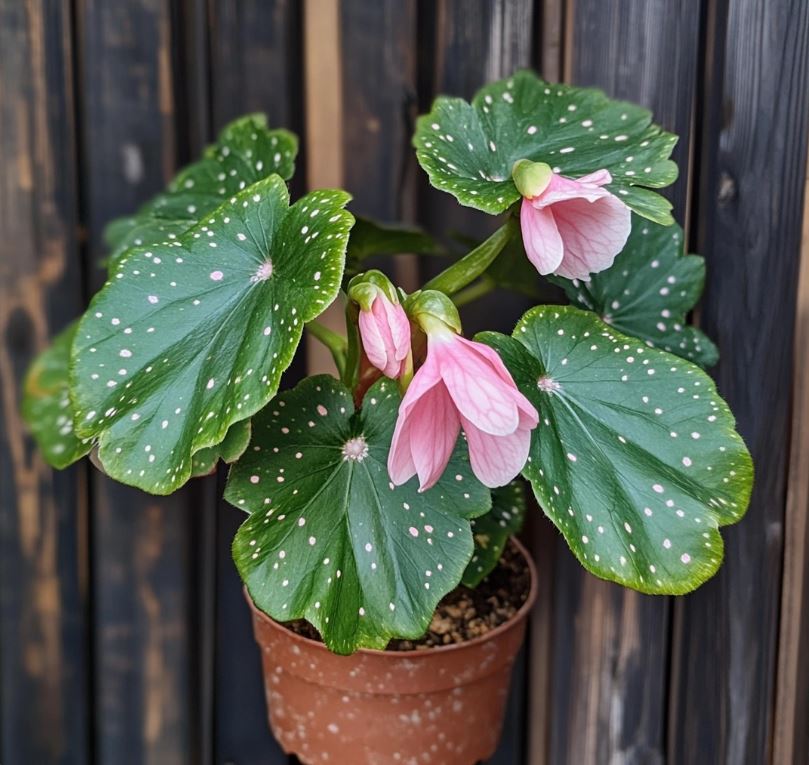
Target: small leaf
205 460
470 149
493 530
46 406
246 152
635 460
187 338
330 539
648 291
369 237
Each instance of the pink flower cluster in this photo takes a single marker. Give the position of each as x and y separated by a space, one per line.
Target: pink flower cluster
461 385
572 228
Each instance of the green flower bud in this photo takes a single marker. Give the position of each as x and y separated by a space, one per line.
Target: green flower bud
433 311
531 178
364 288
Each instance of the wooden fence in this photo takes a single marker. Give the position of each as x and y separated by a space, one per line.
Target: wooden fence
123 634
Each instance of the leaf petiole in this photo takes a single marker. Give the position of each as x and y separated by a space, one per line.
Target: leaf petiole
337 344
472 265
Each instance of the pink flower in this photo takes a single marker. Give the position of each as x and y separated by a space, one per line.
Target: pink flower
574 228
462 384
385 332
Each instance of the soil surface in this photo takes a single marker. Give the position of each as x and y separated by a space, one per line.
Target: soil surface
465 614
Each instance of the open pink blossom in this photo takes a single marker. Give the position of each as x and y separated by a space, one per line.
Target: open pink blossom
574 228
462 384
385 332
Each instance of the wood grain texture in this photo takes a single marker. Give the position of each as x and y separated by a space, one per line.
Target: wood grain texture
791 735
323 86
256 66
648 53
142 583
611 644
44 701
748 219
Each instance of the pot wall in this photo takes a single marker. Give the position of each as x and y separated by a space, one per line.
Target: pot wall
443 705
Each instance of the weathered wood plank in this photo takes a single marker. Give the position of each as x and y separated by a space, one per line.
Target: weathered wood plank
142 583
44 703
791 735
748 219
611 644
256 65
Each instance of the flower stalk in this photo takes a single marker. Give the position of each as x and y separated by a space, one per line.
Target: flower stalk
472 265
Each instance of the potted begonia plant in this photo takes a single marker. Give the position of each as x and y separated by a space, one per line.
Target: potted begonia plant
379 503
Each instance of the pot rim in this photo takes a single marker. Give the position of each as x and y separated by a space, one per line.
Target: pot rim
521 614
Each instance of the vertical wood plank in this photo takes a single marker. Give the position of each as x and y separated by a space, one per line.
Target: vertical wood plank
463 45
44 704
144 646
256 65
323 87
791 734
751 176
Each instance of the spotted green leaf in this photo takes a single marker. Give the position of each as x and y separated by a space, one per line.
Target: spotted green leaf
46 406
470 149
493 530
246 152
329 538
635 459
236 440
648 291
189 337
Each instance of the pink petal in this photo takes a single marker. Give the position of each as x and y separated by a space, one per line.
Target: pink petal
477 390
593 234
561 189
399 325
377 346
541 238
598 178
434 430
496 460
401 466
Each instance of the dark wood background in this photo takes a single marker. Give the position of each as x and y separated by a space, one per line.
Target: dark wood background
123 635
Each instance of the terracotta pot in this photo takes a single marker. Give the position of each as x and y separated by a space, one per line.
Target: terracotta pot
441 705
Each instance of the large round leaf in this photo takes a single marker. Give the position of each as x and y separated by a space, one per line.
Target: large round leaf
46 406
493 530
648 291
330 538
635 459
245 152
188 338
470 149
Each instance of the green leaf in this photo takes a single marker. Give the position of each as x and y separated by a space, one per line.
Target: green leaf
648 291
493 530
369 237
236 440
330 539
246 152
46 406
470 149
635 459
187 338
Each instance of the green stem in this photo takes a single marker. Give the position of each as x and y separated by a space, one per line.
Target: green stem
351 371
474 291
472 265
334 342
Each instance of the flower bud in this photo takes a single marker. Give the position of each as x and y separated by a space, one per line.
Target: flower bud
383 323
531 178
433 311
